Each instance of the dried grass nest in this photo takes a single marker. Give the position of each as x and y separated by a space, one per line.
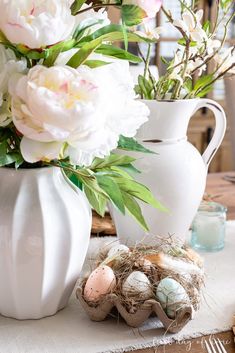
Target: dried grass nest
167 259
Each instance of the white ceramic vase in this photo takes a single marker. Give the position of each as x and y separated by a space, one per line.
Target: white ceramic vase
176 174
44 235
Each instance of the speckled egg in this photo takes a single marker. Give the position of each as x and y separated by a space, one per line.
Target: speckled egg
137 285
100 282
172 296
118 249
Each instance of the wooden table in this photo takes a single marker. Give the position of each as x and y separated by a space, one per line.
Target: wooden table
223 192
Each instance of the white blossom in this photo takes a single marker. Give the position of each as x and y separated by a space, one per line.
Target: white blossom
191 25
212 45
148 32
225 60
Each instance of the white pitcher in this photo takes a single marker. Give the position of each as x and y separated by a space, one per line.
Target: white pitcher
176 174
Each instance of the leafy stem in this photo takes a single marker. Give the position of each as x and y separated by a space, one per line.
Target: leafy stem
109 180
147 62
222 74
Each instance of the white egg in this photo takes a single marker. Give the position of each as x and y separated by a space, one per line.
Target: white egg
118 249
138 285
172 296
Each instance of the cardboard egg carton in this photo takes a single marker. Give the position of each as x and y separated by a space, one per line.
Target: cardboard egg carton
149 307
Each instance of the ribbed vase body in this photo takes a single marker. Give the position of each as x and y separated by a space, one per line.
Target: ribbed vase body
44 235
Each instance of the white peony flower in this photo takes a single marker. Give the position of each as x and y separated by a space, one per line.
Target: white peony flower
191 25
80 113
36 23
8 66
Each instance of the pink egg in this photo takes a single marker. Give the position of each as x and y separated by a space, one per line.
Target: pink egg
100 282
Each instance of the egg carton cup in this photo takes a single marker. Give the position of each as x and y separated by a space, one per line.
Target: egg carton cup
149 307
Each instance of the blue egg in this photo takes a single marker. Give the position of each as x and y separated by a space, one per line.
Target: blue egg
172 296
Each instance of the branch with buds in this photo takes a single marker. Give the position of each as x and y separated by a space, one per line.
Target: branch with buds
197 48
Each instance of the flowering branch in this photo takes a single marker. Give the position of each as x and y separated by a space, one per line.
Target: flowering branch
200 48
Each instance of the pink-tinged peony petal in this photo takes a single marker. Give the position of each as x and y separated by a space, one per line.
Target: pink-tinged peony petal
64 87
34 151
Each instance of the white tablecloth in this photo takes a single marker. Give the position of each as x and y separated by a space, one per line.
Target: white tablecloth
71 331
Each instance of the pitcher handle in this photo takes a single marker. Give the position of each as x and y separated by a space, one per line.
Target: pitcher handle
220 128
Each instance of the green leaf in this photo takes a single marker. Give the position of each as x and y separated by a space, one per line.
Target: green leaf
3 148
113 33
203 81
134 210
80 57
3 38
73 178
19 161
132 15
76 6
203 92
225 3
10 158
92 184
82 28
125 36
130 144
183 43
110 50
207 26
112 160
146 88
188 85
54 51
140 192
95 63
164 61
97 201
112 190
129 169
31 53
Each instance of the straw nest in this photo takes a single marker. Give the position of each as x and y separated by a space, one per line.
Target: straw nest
167 259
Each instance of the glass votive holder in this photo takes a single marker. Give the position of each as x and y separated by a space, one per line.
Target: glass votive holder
208 228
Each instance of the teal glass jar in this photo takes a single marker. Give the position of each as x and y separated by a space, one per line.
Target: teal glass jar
208 228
